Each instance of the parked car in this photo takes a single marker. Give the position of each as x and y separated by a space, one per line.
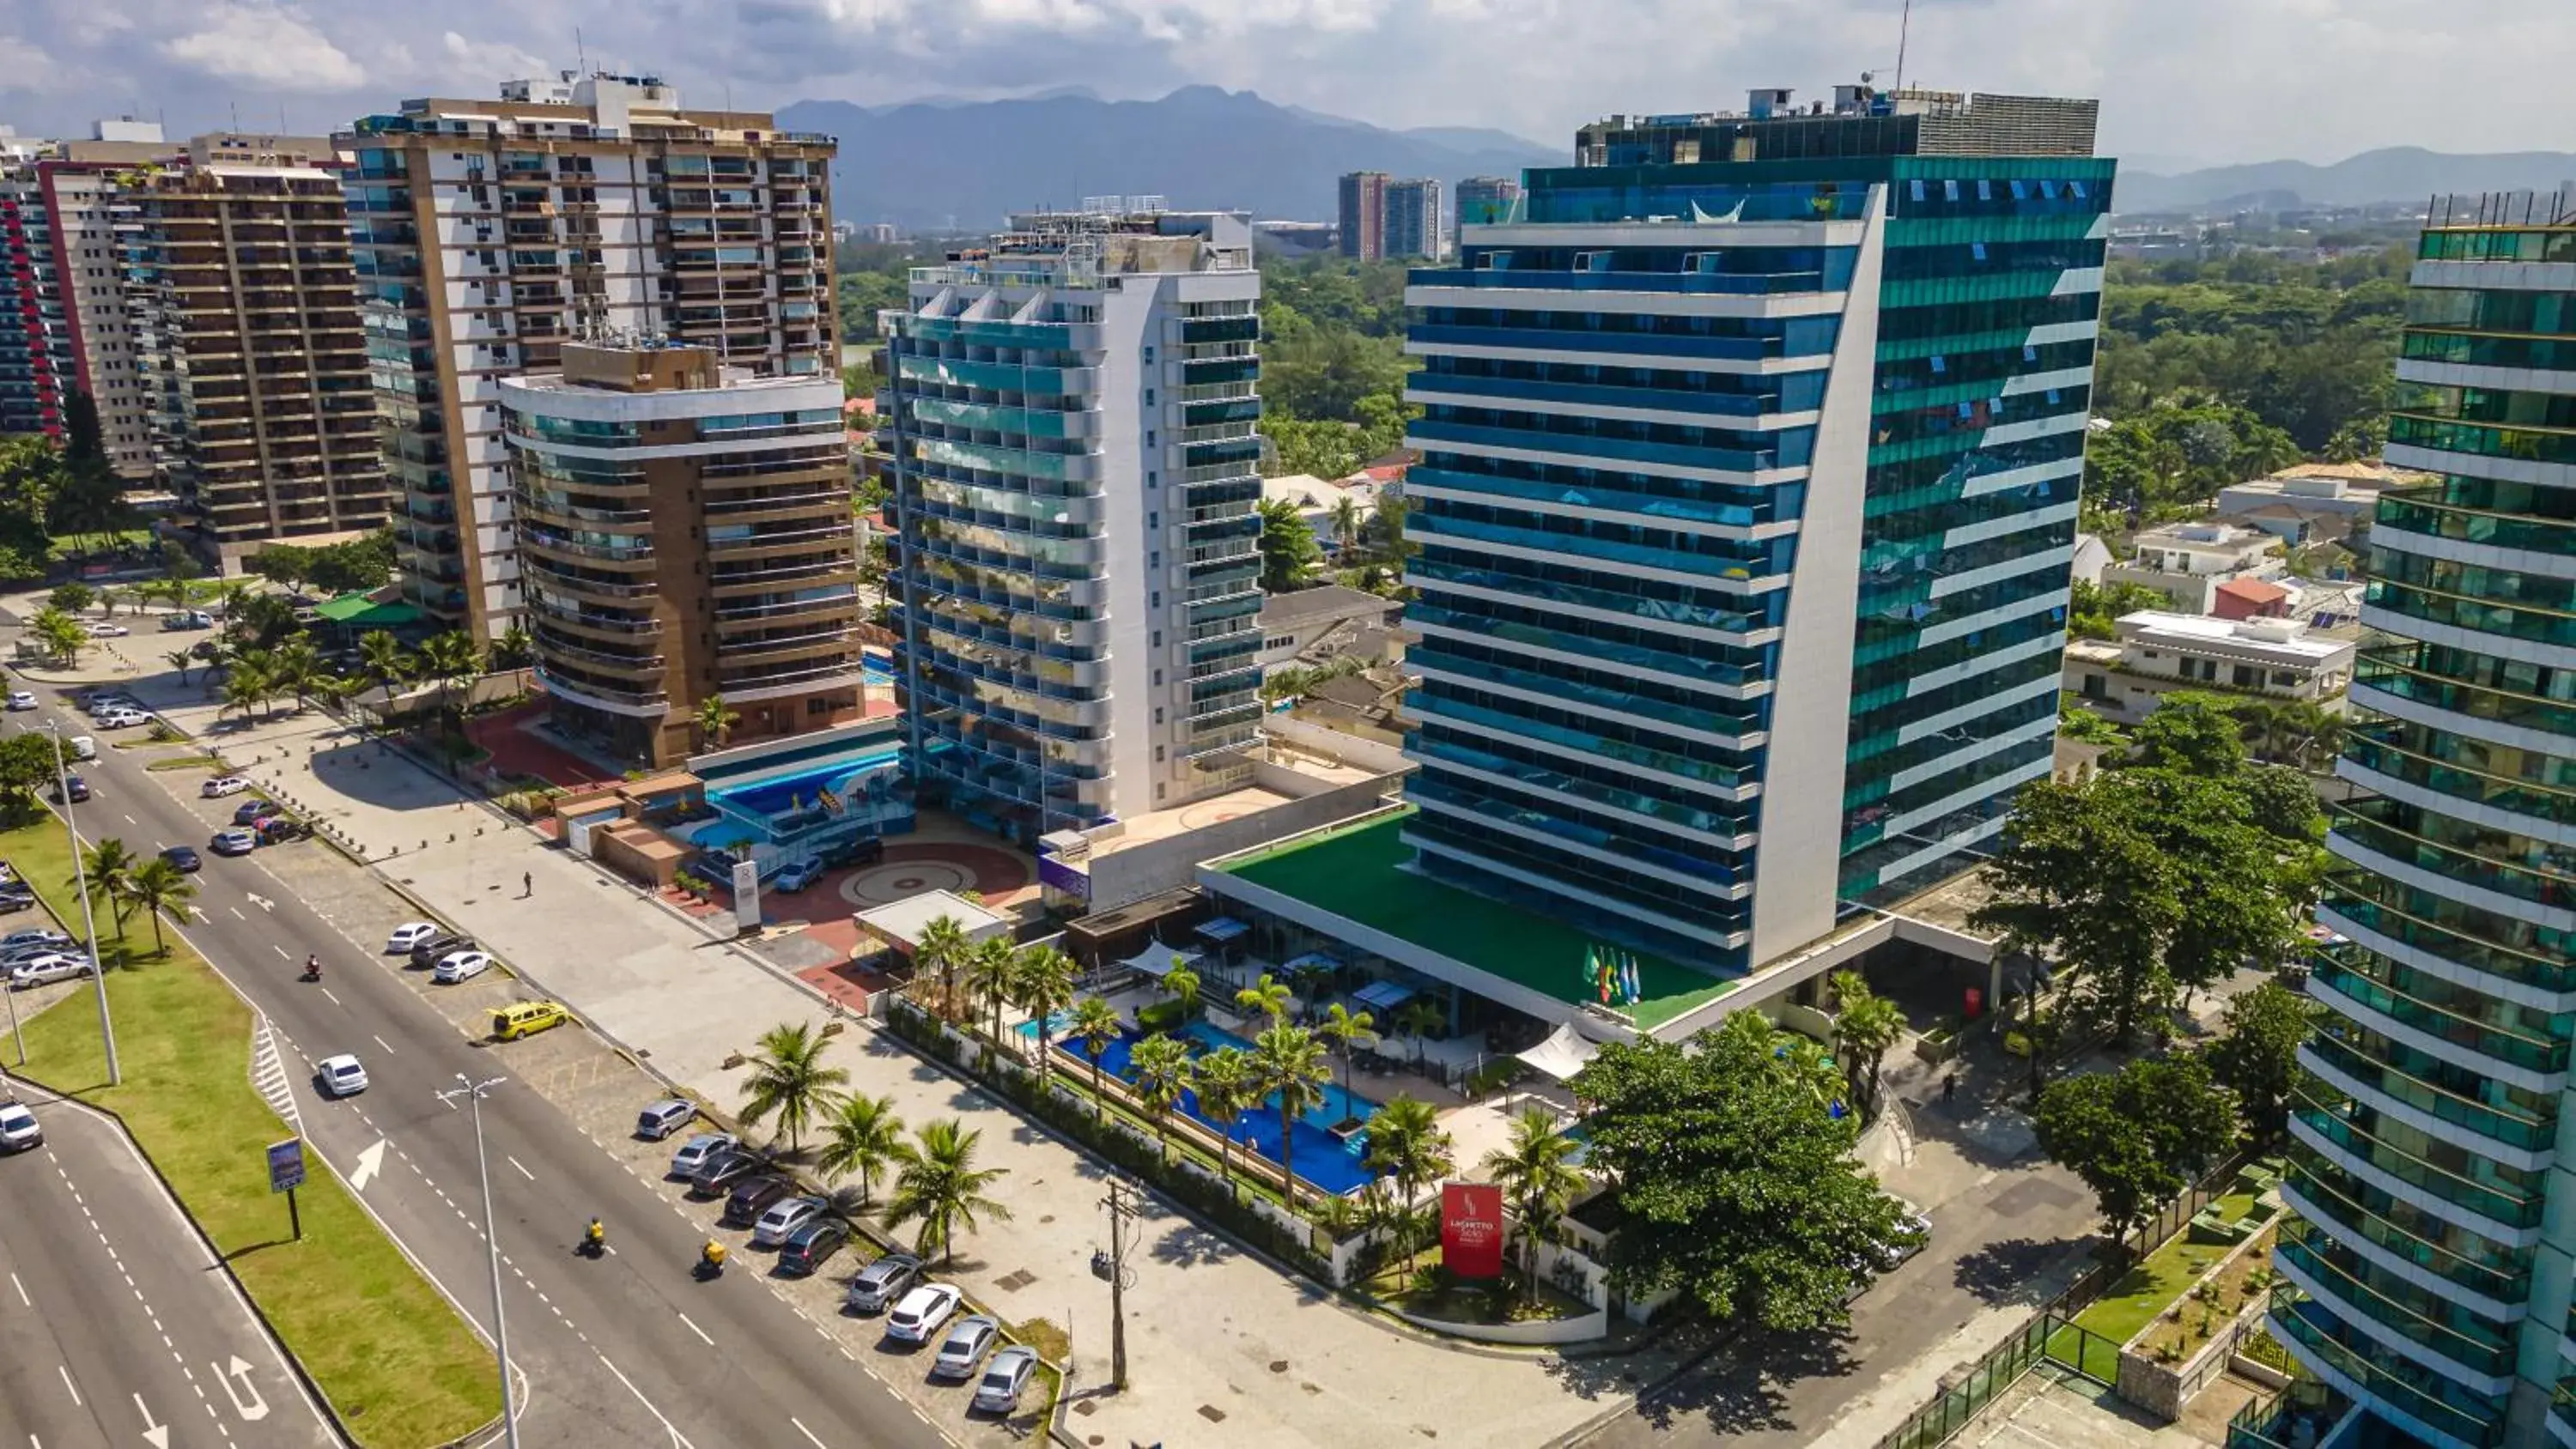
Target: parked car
408 935
753 1196
108 699
698 1151
278 828
120 719
783 1219
222 785
37 937
341 1076
797 876
1004 1379
527 1018
72 791
107 629
51 966
811 1246
720 1172
84 748
664 1118
880 1283
233 842
251 812
867 850
1913 1232
22 699
18 1129
182 856
965 1347
459 966
426 952
184 620
921 1313
16 897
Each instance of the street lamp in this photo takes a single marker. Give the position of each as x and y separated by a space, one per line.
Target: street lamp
89 925
473 1091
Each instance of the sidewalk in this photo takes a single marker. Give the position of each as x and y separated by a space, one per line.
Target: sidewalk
1223 1349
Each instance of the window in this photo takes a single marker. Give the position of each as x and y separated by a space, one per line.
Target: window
2245 676
1158 639
1977 250
1149 355
2286 678
2075 189
1917 188
1158 754
1158 714
1985 190
1949 191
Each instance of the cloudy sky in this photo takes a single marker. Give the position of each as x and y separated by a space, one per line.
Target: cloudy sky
2203 81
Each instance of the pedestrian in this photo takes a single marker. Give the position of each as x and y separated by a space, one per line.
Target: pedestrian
527 884
1949 1089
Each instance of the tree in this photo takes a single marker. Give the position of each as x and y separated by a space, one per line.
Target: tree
284 564
1181 984
28 763
1162 1066
156 886
1340 1028
715 722
1417 1019
2137 1136
1344 520
1866 1027
296 668
2074 880
109 867
942 949
1095 1024
1405 1143
246 686
181 660
2258 1057
1227 1088
1735 1189
517 649
1288 1063
790 1081
72 598
993 976
864 1138
2194 733
2095 608
452 661
1539 1180
1045 987
63 636
1265 997
939 1186
1289 553
2227 873
387 663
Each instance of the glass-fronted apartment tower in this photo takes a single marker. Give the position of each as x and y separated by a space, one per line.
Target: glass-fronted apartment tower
1746 503
2427 1270
1076 504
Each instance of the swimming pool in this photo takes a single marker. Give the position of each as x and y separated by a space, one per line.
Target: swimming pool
875 671
1057 1025
1329 1162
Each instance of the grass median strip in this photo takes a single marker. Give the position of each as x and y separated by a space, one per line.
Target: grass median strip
394 1359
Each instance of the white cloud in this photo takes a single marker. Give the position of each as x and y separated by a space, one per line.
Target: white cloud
267 46
24 65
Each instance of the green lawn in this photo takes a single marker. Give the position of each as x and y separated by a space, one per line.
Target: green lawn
2156 1283
64 545
394 1360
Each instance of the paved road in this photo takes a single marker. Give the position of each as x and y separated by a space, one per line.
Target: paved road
116 1325
627 1350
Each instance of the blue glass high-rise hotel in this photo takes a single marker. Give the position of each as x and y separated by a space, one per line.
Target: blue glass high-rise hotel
1746 503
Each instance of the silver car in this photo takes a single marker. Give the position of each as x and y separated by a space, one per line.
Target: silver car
965 1347
698 1151
880 1283
1004 1379
783 1219
52 967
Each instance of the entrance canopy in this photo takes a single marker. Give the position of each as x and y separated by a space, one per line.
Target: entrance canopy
1562 1054
1222 929
1384 995
1156 959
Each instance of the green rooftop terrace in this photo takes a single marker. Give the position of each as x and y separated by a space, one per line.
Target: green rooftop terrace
1356 872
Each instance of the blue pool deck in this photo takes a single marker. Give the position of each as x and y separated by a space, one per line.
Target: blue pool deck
1331 1163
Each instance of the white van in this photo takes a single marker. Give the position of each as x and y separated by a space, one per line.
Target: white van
84 748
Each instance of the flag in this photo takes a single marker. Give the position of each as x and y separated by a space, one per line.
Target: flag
1591 966
1636 992
1607 973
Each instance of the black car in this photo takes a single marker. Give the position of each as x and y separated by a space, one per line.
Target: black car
73 786
182 856
16 895
752 1197
811 1246
722 1171
867 850
427 952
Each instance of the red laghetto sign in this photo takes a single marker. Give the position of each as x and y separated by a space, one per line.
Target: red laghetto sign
1471 1229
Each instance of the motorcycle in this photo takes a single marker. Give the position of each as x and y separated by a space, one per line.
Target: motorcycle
594 1240
312 971
711 1259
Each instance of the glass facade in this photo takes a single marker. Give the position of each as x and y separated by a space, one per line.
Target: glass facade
2425 1129
1623 445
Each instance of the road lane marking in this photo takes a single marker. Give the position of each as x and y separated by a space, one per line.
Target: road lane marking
257 1408
335 1001
370 1162
237 915
701 1333
130 820
677 1438
388 1046
523 1171
280 950
67 1383
800 1426
156 1435
22 1291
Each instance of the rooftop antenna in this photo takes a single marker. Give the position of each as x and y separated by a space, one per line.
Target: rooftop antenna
580 55
1904 24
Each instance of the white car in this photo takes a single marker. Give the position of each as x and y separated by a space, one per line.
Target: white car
797 876
121 719
222 785
408 935
698 1150
22 699
458 966
18 1129
341 1076
106 630
921 1312
784 1218
84 748
55 966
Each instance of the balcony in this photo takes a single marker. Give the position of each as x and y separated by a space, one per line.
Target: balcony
565 580
635 555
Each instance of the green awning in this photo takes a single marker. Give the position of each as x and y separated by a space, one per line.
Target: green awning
361 611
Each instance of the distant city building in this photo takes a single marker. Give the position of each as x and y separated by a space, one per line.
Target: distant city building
1487 200
246 304
2158 653
489 231
38 371
1414 225
2186 562
63 322
1297 238
2310 502
879 233
684 532
1363 215
1071 416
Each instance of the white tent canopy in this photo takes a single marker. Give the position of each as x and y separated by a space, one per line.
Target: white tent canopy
1156 959
1564 1053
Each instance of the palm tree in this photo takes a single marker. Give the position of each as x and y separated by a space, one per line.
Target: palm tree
387 663
1539 1179
715 722
1265 996
1417 1019
1864 1030
1162 1064
939 1186
296 666
1181 984
1045 988
110 867
943 948
245 688
993 973
183 661
1225 1085
515 649
1341 1026
155 886
1809 1063
1405 1143
1288 1063
1095 1023
865 1137
451 660
1344 521
63 636
788 1078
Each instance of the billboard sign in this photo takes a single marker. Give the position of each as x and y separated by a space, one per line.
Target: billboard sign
1471 1229
286 1165
746 894
1072 879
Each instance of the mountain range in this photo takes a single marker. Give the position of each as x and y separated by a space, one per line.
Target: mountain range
2394 174
964 164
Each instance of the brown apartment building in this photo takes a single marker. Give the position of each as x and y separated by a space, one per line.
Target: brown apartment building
487 231
683 531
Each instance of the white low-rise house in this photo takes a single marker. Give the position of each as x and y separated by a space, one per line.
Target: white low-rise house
1315 499
2186 562
2157 653
1294 623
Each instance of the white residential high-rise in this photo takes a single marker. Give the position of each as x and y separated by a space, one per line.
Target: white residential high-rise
1071 414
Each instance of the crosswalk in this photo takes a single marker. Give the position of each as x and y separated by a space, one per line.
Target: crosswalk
268 1074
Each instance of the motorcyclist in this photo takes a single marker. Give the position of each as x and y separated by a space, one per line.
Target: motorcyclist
595 1237
712 1256
313 966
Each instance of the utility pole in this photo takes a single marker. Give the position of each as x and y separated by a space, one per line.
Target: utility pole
89 926
1113 1266
474 1091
